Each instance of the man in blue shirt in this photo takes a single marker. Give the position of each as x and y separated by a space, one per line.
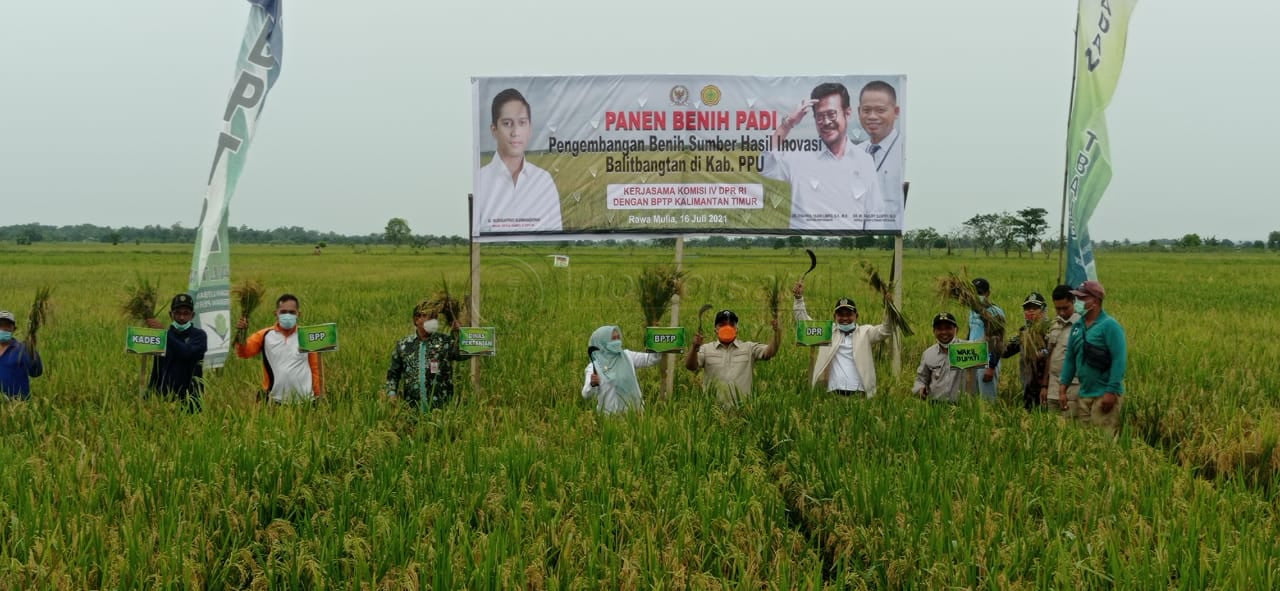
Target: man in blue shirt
987 378
19 361
1097 354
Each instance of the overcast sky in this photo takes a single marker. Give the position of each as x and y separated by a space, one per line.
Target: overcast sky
111 109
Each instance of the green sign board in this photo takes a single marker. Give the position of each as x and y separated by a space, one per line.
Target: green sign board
145 341
967 355
811 333
318 338
474 341
665 339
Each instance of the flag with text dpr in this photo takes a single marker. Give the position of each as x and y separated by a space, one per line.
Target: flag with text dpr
257 68
1101 30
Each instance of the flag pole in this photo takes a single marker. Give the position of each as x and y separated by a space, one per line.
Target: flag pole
1066 172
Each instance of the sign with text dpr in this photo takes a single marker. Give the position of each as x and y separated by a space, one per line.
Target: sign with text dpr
146 341
478 341
665 339
669 155
812 333
318 338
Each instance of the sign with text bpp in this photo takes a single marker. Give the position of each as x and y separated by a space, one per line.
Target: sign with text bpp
967 355
664 339
811 333
146 341
476 341
318 338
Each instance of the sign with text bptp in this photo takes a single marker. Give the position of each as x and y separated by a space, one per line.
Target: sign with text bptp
478 341
967 355
664 339
146 341
318 338
812 333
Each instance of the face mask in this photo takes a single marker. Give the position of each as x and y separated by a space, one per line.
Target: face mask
432 325
5 336
614 346
287 321
180 325
847 327
1079 307
727 333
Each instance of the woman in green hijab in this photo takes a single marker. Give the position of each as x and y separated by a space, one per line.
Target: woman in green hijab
611 374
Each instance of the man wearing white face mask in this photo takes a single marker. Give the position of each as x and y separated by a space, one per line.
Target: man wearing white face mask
288 375
846 365
179 373
421 369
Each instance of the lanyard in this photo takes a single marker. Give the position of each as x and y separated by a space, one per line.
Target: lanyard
886 151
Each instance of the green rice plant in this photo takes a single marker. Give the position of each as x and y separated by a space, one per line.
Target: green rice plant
657 286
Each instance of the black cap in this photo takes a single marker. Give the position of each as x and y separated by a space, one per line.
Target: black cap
846 303
1034 299
982 285
724 316
182 300
945 318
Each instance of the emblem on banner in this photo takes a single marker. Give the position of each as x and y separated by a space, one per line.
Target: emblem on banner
710 95
679 95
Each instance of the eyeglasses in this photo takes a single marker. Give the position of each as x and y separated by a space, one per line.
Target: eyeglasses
826 116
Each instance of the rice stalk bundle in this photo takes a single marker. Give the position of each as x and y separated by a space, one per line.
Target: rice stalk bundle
960 288
885 289
39 311
658 285
773 294
140 300
248 296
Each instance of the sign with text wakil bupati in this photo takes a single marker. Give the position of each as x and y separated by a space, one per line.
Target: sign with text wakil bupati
146 341
680 154
812 333
967 355
318 338
477 341
665 339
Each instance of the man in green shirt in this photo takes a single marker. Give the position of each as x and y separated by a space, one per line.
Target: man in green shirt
1096 354
421 369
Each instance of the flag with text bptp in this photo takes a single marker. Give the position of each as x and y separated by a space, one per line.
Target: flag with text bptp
257 68
1101 31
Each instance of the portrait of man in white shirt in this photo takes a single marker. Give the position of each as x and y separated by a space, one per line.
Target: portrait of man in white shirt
878 112
835 187
513 195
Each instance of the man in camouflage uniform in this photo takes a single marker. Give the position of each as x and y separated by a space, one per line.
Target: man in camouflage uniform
421 369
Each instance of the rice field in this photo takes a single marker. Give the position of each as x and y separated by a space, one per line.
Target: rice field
520 484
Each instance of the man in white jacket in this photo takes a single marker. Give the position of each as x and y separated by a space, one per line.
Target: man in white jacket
846 365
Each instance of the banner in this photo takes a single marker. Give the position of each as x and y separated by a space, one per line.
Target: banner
813 333
318 338
146 341
478 341
210 282
687 154
1101 30
665 339
967 355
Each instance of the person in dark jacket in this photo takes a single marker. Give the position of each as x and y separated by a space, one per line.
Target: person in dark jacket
179 373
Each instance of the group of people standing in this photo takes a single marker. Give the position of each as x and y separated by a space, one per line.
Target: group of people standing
1074 362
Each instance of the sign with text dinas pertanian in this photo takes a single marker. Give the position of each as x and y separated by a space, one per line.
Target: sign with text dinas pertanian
146 341
665 339
812 333
967 355
478 341
318 338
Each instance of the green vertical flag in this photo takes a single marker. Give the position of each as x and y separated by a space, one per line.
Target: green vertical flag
256 71
1102 28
